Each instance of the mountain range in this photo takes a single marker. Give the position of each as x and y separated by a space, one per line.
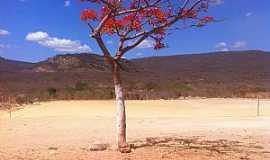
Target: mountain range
87 76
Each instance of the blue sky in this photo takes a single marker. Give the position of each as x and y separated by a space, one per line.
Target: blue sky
246 26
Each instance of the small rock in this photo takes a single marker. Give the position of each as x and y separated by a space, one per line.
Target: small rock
98 147
52 150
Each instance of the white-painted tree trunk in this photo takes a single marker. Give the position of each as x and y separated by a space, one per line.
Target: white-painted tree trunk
120 108
120 116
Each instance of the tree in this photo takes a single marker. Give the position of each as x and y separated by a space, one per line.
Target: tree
130 23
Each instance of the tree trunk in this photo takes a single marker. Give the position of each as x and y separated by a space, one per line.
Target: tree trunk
120 107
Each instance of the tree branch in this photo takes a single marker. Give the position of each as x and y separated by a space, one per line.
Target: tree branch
104 49
146 34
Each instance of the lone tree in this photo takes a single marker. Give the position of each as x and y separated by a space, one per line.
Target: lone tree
131 22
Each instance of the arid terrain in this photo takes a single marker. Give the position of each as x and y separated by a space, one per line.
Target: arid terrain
85 76
191 129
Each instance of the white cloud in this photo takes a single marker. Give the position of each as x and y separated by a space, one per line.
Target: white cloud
4 32
216 2
37 36
239 45
67 3
146 44
221 46
58 44
65 45
248 14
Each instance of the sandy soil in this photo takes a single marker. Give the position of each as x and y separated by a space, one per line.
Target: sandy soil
196 129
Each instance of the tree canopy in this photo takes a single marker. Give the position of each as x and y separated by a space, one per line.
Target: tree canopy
134 21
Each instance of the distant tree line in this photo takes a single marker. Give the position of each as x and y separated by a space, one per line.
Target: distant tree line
85 90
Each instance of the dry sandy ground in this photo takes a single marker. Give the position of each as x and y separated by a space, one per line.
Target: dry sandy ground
196 129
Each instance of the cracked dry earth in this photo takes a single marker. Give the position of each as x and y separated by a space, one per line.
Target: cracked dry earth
195 129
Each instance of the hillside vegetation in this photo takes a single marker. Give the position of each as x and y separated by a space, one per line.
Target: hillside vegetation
87 76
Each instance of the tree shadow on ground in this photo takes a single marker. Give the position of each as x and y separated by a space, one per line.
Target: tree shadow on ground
220 146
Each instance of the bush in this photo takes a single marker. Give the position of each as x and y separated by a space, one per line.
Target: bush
180 89
151 86
52 92
80 86
104 93
24 99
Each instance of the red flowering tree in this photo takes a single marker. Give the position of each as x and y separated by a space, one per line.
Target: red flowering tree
133 21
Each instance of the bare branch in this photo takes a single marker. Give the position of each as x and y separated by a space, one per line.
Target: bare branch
138 9
91 27
104 49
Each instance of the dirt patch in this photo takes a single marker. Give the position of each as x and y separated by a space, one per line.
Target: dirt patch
201 129
165 148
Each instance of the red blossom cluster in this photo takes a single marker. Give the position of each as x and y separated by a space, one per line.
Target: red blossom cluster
188 13
88 15
120 16
158 44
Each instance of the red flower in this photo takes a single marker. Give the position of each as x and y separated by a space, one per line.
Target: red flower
159 45
88 15
205 20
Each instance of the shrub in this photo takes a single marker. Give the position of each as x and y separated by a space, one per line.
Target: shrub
151 86
180 89
52 92
80 86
